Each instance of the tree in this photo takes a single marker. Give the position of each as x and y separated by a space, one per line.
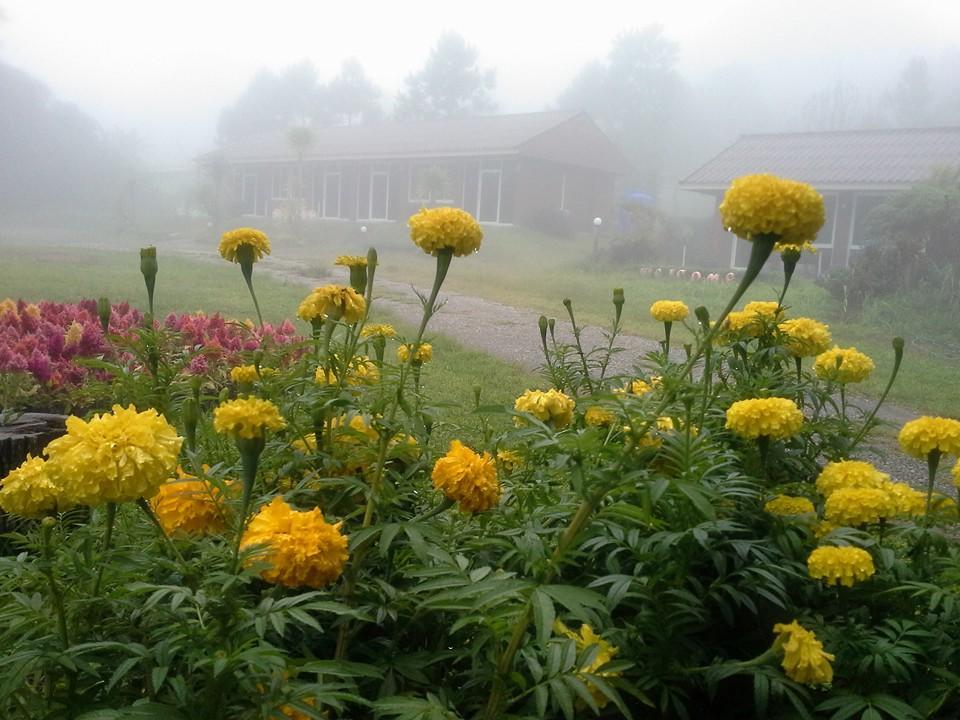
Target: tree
274 102
841 107
450 84
54 154
634 95
351 97
927 215
910 100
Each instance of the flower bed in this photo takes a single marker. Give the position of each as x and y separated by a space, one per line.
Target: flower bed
697 538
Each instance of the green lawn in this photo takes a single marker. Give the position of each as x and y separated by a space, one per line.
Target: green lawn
526 269
70 274
516 266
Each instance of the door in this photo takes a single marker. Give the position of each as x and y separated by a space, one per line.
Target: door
379 195
488 196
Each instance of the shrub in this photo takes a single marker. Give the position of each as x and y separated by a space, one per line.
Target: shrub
611 546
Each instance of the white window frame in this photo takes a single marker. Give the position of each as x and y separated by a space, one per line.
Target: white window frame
410 195
428 198
490 171
853 219
833 229
243 191
273 183
373 174
324 210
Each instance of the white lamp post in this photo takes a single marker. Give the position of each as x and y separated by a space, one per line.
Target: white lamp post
597 222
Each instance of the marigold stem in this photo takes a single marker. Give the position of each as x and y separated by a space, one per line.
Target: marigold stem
933 460
897 360
107 542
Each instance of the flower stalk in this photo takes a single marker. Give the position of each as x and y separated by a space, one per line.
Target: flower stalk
149 268
246 257
898 346
107 542
250 449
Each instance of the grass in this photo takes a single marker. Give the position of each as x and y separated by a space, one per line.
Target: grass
516 266
526 269
69 274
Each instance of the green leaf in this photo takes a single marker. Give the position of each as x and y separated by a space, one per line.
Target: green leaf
544 614
576 600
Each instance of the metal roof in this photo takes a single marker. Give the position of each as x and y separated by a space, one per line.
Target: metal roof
541 134
855 158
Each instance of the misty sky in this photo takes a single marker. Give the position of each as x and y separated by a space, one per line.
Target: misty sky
167 68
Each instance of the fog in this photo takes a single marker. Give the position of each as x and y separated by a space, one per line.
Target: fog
109 104
165 70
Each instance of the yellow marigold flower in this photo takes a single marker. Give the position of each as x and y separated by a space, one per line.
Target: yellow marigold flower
805 337
189 506
823 528
636 387
598 416
247 418
232 240
587 638
669 310
28 491
843 365
764 417
548 406
908 500
301 548
794 247
248 374
423 354
354 430
115 457
755 317
436 229
32 311
849 474
73 335
307 444
859 506
654 436
509 460
8 306
788 505
384 330
362 371
768 310
403 446
840 565
351 261
467 478
922 436
337 302
764 204
804 660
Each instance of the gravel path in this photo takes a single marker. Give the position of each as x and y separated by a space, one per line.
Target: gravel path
511 334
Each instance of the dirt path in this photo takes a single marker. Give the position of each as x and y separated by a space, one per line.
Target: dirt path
511 334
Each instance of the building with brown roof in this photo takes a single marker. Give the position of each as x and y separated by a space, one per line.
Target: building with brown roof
854 171
526 169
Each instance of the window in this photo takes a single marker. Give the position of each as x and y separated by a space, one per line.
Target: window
862 205
431 183
825 236
330 207
280 187
248 194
